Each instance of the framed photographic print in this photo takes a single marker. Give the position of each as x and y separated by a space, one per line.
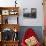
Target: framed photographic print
5 12
33 12
26 15
26 12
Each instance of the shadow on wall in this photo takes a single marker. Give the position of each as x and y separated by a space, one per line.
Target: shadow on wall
37 29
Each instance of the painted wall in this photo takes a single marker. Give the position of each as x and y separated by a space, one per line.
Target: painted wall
31 4
27 4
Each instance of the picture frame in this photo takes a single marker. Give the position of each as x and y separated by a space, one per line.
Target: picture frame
5 12
31 14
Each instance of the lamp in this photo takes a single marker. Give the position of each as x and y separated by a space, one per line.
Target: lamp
15 3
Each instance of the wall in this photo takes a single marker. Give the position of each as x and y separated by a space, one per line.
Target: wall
27 4
7 3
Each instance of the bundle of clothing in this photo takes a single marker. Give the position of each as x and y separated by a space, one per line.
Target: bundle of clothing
30 38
